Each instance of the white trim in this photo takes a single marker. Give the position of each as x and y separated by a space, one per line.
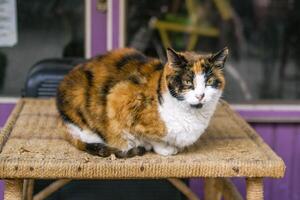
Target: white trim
88 29
260 107
109 24
122 21
9 99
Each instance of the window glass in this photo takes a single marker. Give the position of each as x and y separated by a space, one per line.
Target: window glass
46 29
263 37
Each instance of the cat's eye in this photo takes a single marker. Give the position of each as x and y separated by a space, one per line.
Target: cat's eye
210 81
187 82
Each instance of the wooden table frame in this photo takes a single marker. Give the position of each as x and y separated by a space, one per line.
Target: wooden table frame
229 148
214 189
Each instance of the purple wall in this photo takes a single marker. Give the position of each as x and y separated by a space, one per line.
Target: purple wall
99 27
283 136
5 110
98 30
284 139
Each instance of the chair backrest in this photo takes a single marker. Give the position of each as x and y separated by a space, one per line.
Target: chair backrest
43 78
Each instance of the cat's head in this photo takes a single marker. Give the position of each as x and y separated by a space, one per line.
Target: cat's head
194 78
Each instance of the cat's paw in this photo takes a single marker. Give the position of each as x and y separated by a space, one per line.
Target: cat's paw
165 150
98 149
135 151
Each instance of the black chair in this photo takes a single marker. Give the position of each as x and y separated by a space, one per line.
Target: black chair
44 77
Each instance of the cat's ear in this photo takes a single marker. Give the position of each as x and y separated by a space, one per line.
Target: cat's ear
218 59
175 60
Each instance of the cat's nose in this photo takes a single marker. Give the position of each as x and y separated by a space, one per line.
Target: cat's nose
200 96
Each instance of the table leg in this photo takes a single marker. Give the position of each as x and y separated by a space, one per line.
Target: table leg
28 186
13 189
182 187
212 189
255 189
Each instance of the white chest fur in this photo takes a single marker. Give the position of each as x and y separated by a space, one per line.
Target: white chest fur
184 124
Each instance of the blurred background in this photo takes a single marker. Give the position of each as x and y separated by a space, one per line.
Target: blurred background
262 35
263 70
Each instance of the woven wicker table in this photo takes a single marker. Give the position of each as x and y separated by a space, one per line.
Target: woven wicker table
32 147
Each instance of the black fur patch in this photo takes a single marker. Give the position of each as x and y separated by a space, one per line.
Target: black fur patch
89 77
158 67
136 151
158 90
175 86
134 79
81 116
215 84
174 93
200 105
106 87
176 60
135 56
207 71
65 117
98 149
59 102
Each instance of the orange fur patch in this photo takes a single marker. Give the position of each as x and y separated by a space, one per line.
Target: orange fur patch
197 67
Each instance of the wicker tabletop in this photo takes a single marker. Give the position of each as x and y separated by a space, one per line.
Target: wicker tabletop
32 145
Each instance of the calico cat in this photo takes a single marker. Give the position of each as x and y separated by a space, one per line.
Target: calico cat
125 103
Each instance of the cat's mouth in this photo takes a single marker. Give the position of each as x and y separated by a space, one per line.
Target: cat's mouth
199 105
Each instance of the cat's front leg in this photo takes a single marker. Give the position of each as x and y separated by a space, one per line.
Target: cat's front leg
164 149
